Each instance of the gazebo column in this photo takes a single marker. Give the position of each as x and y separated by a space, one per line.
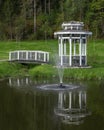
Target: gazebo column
59 46
85 51
74 48
64 47
80 52
61 52
70 57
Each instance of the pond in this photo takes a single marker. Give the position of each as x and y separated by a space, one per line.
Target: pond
23 106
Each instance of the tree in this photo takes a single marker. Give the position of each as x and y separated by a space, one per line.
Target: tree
23 19
8 17
96 17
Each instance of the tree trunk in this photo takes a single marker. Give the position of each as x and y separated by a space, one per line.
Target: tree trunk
34 16
49 6
45 4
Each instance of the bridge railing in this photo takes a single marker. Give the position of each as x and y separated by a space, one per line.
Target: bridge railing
23 55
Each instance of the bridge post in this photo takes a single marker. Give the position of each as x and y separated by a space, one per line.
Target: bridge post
44 57
47 56
26 55
10 56
35 55
17 55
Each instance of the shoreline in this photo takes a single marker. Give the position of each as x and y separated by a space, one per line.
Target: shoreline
49 71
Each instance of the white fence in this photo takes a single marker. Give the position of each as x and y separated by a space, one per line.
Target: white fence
33 56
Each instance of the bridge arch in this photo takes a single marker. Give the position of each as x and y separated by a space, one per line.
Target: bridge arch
24 56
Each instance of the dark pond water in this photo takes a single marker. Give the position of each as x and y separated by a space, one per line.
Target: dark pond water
24 107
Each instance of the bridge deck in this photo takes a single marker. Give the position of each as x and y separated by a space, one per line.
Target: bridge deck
24 56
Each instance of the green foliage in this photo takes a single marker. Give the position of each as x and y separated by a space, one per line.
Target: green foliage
11 69
17 17
43 71
95 18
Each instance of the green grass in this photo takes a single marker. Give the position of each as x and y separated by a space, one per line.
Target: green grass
43 71
96 53
95 59
11 69
6 47
85 74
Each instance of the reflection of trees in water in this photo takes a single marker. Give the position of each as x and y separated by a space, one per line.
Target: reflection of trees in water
34 110
16 109
26 110
96 97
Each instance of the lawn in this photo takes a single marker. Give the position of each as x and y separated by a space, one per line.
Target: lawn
95 50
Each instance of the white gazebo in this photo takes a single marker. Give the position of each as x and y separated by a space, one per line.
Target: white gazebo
72 41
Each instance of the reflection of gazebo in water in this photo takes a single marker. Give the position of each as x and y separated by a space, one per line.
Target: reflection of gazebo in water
72 107
72 42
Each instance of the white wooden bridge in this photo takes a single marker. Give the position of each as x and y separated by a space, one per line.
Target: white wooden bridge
24 56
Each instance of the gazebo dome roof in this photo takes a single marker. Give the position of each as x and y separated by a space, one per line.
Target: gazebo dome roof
72 27
62 32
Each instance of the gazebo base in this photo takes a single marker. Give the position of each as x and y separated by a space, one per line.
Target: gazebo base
76 67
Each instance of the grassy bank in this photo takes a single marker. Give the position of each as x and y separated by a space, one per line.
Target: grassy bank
73 74
12 69
95 59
